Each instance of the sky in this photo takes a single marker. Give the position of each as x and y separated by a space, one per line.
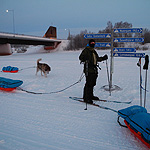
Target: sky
33 17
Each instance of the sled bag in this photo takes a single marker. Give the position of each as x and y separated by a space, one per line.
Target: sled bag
9 84
10 69
138 121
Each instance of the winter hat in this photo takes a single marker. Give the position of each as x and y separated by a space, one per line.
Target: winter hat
91 40
91 45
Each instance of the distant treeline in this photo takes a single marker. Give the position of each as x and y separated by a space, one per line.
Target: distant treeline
77 42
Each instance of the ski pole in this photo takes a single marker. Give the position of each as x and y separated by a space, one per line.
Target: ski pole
145 88
139 64
145 67
86 74
108 77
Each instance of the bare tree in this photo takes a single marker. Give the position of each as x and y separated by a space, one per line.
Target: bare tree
78 41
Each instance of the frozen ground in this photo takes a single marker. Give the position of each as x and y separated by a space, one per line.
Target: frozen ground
53 121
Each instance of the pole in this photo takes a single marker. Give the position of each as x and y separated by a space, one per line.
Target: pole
108 76
145 88
145 67
13 21
140 84
139 65
13 12
86 74
111 62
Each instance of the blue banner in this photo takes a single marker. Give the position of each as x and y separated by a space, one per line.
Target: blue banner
102 44
92 36
132 30
118 49
128 40
142 55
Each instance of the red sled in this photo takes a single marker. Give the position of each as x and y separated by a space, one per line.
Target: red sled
137 119
137 134
7 89
10 69
9 84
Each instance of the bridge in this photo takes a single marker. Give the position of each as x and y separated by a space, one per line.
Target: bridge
48 40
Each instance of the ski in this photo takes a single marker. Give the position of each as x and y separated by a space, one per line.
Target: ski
102 100
103 107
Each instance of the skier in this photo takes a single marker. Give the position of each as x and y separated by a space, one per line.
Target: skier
90 58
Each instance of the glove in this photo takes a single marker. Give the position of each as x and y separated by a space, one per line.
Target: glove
84 61
145 67
105 57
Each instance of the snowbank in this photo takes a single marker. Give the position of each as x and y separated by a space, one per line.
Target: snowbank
55 122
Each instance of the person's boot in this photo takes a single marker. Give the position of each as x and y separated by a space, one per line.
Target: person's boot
95 98
89 101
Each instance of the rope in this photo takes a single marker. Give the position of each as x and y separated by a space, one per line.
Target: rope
120 123
108 108
54 91
24 68
27 68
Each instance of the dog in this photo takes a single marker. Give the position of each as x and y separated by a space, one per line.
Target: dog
43 67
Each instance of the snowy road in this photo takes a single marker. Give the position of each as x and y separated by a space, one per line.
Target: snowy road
53 121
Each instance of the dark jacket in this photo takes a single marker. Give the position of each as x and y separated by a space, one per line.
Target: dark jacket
87 57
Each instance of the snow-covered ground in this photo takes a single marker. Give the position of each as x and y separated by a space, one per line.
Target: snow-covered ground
55 122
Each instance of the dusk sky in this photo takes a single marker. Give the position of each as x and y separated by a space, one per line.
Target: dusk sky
33 17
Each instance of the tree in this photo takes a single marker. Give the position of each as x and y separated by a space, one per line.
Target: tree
146 35
123 25
109 27
78 41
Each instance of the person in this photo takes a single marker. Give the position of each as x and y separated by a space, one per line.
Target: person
90 58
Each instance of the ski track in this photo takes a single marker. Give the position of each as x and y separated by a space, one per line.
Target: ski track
53 121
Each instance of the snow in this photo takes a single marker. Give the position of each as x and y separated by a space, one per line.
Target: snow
25 37
55 122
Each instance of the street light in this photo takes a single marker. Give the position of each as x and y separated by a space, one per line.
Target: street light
69 36
13 18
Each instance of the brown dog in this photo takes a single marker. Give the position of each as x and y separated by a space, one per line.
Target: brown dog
43 67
